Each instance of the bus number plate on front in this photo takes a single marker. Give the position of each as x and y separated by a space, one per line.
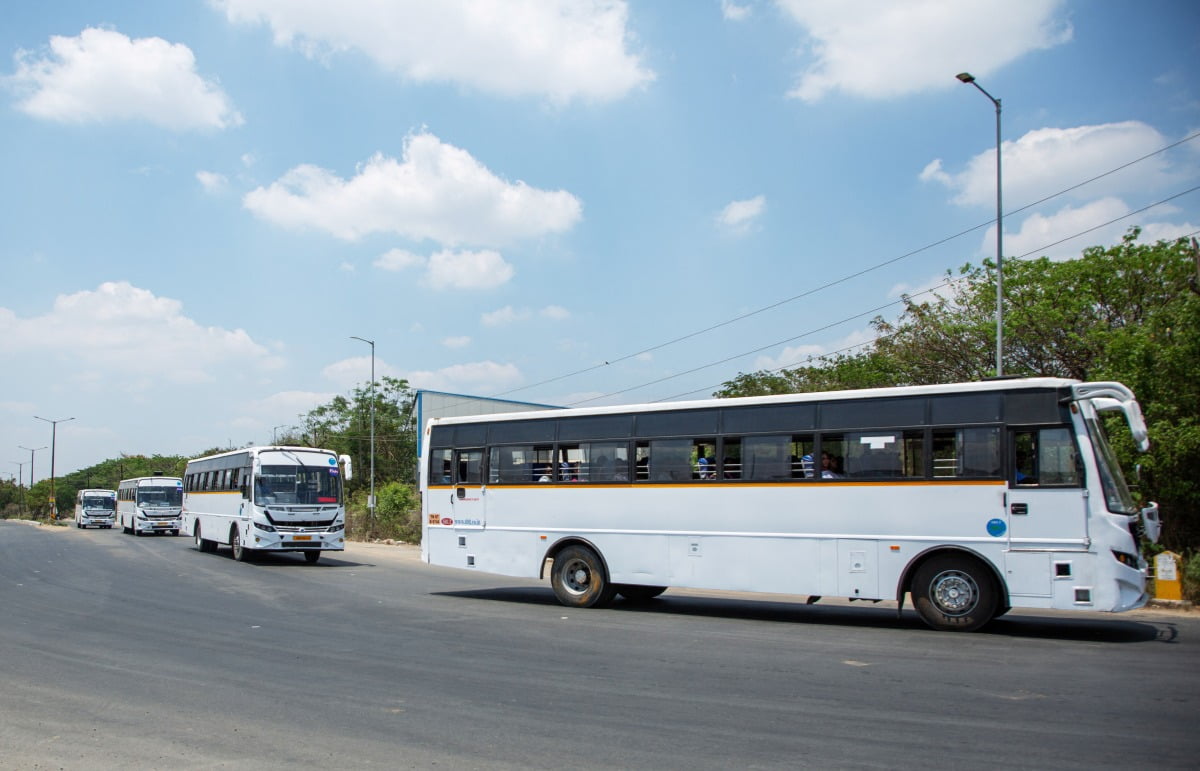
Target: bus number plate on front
302 538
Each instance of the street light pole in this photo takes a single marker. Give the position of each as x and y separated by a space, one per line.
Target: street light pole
53 440
275 440
967 77
20 480
32 450
371 495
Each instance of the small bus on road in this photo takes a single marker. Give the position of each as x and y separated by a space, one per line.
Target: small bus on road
95 508
150 505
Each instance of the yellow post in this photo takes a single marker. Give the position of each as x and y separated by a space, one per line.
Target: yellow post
1167 584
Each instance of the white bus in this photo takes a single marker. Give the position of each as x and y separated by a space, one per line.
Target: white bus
95 507
972 498
267 499
150 504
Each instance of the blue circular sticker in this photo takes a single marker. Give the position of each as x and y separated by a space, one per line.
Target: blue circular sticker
333 461
996 527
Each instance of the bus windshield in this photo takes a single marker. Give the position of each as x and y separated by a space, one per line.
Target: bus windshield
160 497
100 502
1116 492
302 485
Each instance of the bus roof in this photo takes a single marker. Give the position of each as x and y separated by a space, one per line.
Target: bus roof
998 384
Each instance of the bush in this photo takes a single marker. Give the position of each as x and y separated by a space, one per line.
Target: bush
397 515
1191 578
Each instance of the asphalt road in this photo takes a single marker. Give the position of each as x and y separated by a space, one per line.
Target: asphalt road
123 652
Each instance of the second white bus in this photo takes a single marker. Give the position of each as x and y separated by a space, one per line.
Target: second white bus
150 505
260 499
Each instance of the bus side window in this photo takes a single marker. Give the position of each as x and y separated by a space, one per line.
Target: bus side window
1046 457
470 467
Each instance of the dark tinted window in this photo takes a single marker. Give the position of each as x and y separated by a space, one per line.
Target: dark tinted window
596 427
966 408
769 419
690 423
873 413
1033 407
521 431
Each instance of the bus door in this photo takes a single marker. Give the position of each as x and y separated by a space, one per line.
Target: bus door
467 500
1047 506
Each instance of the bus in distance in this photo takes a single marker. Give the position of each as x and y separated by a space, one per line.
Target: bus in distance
260 499
970 498
95 508
150 504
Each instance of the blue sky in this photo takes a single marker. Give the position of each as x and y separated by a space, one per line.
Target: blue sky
203 201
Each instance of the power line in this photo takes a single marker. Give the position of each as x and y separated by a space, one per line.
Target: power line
856 274
859 315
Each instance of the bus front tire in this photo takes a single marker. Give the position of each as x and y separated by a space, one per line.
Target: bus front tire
311 557
579 578
639 593
240 552
954 594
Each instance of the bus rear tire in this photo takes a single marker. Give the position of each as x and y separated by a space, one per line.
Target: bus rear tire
954 594
203 544
579 579
311 557
638 593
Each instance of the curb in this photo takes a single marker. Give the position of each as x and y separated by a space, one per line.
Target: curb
1170 604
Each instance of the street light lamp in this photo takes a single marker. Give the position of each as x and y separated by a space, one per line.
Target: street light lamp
967 77
53 440
371 495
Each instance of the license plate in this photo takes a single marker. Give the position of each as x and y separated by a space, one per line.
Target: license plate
302 538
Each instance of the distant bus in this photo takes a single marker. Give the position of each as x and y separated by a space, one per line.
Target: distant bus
972 498
259 499
150 505
95 508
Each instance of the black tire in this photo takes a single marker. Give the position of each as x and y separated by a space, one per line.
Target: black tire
203 544
126 530
311 557
240 552
639 593
955 594
579 578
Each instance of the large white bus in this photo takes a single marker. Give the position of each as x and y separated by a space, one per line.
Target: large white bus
95 507
150 504
261 499
970 498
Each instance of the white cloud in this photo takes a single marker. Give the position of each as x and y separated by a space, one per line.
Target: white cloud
880 49
740 216
555 312
211 181
482 377
437 191
281 409
459 341
734 11
102 75
350 372
1040 235
1047 160
502 316
120 333
466 270
558 49
399 259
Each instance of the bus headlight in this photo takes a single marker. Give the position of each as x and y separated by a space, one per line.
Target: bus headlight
336 528
1128 560
262 526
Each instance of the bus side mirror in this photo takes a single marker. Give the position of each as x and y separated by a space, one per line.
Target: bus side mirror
349 471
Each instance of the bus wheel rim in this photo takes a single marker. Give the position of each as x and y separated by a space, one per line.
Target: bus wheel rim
955 592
